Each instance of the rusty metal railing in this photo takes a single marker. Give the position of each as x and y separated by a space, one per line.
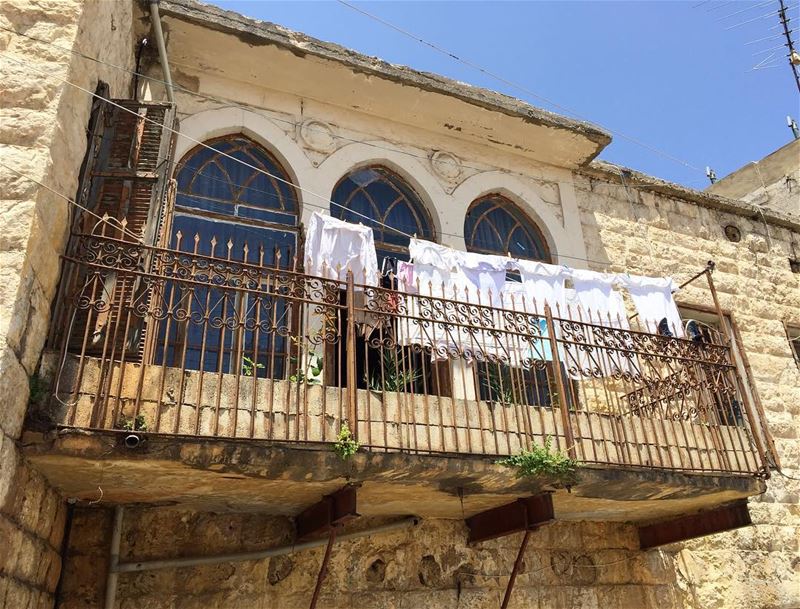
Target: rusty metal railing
224 344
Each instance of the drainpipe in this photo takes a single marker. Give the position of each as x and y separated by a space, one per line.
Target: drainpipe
113 559
162 48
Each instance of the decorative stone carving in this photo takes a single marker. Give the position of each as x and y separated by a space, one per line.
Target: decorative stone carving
318 136
446 165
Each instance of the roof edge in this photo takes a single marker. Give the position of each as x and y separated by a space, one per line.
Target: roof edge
256 32
606 170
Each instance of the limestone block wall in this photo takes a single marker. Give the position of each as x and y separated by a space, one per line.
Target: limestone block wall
640 232
42 135
588 565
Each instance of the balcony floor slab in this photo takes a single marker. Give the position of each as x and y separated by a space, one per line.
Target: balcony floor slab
241 475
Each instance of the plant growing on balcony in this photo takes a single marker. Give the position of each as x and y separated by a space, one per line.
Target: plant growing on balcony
346 445
544 462
497 382
132 424
249 366
312 375
393 375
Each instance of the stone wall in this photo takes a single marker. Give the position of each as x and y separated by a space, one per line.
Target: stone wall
639 232
587 565
42 135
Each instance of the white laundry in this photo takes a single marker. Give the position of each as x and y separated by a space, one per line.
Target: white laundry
653 300
586 349
334 246
597 300
428 252
482 277
544 284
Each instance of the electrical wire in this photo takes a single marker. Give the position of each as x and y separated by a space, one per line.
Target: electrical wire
106 219
249 108
604 264
223 100
258 169
510 83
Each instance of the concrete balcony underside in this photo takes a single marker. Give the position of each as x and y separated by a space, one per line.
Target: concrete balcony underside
262 476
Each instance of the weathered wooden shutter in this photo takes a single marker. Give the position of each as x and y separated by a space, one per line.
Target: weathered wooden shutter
126 174
125 177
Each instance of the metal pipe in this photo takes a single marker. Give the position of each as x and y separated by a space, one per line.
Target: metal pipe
515 570
279 551
155 18
113 559
323 570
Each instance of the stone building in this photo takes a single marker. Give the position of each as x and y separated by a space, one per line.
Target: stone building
173 386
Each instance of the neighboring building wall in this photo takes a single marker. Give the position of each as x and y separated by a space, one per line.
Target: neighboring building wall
42 135
772 182
567 565
642 233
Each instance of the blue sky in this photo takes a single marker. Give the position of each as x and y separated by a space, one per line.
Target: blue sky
671 75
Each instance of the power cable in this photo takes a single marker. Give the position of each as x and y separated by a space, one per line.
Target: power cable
231 103
257 169
510 83
106 219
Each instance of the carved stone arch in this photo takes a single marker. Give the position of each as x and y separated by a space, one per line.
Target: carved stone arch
359 155
565 248
218 122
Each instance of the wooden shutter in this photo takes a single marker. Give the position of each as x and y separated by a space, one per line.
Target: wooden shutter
125 176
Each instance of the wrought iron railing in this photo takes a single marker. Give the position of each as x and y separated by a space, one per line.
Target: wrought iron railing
171 341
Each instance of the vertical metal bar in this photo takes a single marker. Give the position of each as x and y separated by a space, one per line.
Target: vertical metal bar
352 388
730 338
562 398
323 570
517 564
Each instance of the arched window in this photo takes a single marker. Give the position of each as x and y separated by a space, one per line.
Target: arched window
234 201
495 225
379 198
228 191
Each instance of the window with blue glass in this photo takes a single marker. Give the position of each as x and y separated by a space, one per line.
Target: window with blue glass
234 201
495 225
380 199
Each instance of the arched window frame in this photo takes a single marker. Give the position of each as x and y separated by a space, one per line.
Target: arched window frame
520 219
406 194
242 210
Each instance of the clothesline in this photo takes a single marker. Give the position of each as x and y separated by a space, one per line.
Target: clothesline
334 247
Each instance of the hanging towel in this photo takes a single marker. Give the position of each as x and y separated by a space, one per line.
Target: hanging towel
333 247
598 304
544 284
481 277
653 300
597 300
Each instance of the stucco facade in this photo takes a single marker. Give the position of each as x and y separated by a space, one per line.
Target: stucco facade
323 111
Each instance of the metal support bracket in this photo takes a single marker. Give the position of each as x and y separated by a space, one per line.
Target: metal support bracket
525 514
332 510
725 518
323 569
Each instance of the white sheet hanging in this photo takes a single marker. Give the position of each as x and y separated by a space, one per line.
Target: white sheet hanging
334 246
653 300
481 278
592 350
597 300
544 284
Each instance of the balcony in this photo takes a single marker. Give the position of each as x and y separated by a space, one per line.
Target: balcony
218 371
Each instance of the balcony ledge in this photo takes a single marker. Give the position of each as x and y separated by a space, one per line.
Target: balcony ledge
245 475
